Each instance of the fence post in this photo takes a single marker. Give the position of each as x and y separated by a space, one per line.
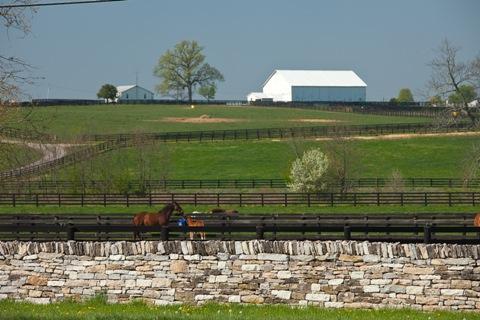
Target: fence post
14 200
127 199
347 232
308 199
164 233
36 199
71 234
260 233
427 234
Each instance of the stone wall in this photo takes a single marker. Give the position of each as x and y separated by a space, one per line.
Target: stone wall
329 273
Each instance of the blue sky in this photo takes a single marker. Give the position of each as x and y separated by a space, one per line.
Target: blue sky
388 43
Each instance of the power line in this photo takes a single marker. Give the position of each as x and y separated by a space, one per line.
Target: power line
7 6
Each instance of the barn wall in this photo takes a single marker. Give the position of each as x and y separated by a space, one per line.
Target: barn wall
329 94
330 274
277 88
136 94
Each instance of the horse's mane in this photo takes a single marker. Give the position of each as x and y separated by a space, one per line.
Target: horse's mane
167 208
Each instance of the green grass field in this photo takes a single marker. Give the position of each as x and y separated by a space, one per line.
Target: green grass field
13 156
68 122
98 309
416 157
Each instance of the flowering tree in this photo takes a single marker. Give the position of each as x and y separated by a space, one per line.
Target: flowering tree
308 172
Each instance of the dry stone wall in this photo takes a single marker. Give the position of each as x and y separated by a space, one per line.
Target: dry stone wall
325 273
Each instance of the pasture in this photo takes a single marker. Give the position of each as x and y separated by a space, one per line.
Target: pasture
70 122
12 156
415 157
98 309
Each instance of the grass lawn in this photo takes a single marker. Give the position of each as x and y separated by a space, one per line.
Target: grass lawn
13 156
98 309
70 121
416 157
341 210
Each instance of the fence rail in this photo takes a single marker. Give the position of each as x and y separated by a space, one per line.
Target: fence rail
240 199
24 134
74 157
45 186
273 227
283 133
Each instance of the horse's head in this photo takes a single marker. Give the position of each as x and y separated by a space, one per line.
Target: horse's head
177 208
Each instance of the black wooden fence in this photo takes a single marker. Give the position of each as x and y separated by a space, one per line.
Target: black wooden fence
71 158
284 133
48 186
241 199
452 228
23 134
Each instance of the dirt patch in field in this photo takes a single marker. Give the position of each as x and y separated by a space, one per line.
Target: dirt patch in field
407 136
315 120
205 118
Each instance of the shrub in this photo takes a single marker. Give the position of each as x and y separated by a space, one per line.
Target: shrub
308 172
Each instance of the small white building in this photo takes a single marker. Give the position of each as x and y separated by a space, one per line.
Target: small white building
311 86
133 92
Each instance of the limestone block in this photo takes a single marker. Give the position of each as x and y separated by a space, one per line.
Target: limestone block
282 294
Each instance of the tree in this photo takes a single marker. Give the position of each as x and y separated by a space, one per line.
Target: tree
13 70
208 91
466 92
308 172
436 101
405 95
344 163
393 101
449 75
184 68
108 92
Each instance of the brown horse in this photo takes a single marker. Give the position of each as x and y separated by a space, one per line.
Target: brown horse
160 218
191 222
476 220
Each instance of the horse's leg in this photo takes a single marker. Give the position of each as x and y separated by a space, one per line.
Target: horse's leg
203 235
191 235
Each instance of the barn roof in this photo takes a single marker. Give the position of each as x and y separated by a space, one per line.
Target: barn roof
121 89
320 78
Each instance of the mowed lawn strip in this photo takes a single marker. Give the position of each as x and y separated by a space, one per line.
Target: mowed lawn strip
427 157
68 122
98 309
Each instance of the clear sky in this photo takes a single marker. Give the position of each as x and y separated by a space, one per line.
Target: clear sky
387 43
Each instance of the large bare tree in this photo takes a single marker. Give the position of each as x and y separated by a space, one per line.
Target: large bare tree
449 75
14 70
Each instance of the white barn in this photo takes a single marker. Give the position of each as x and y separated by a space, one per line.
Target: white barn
133 92
311 85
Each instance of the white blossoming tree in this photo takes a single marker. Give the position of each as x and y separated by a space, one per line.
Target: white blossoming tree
308 172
